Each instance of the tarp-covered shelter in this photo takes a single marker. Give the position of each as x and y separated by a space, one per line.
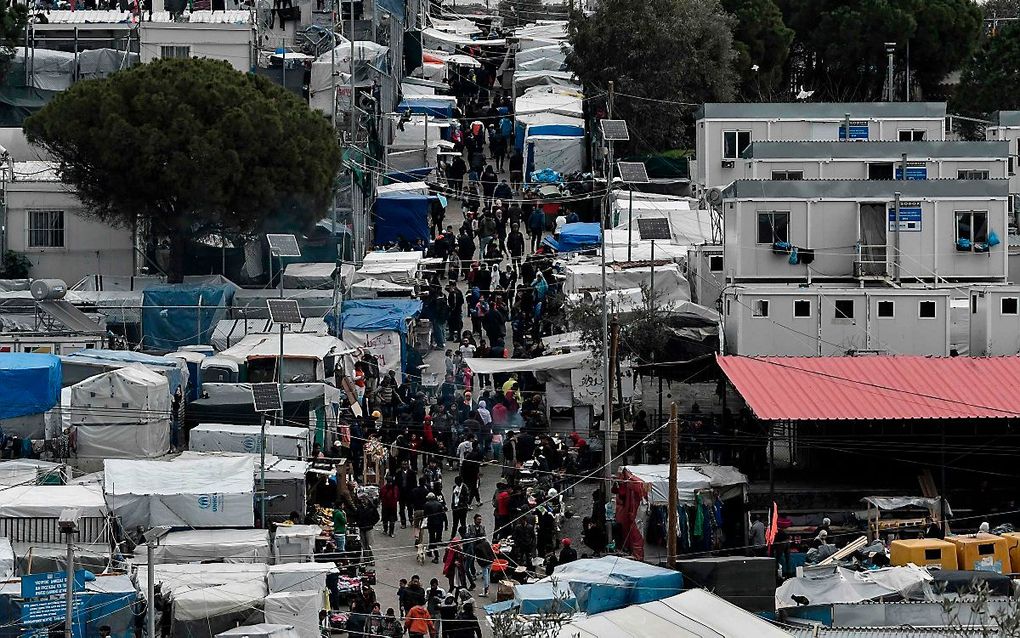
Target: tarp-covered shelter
30 383
670 282
402 216
305 356
564 152
728 480
176 315
219 545
833 584
612 582
381 327
108 600
299 576
230 332
311 275
434 105
577 236
688 224
92 362
29 513
283 441
213 492
297 608
260 630
104 428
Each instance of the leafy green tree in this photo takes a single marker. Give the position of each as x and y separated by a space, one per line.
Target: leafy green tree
762 42
190 148
989 80
840 44
666 57
1001 9
13 19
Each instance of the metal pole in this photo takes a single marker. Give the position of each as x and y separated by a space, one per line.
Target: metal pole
150 590
332 74
651 284
69 596
772 467
262 459
674 445
907 82
630 222
846 127
896 220
356 216
890 48
607 408
903 169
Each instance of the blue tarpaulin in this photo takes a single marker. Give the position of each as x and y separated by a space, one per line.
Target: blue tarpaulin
396 8
410 175
562 130
603 584
29 383
173 369
176 315
545 597
579 236
402 215
377 314
424 106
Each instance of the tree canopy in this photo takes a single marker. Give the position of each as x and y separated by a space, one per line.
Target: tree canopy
762 42
989 80
190 148
665 57
13 19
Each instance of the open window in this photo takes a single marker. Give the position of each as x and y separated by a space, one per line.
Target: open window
881 170
1009 306
715 263
735 143
760 308
972 230
801 308
773 226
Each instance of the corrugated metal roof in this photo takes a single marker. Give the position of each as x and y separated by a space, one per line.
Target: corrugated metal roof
875 387
877 150
820 110
1006 118
99 17
855 189
885 632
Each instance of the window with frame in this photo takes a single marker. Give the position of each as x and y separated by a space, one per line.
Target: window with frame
1009 306
886 309
787 176
971 174
760 308
912 135
171 52
727 307
715 263
45 229
735 143
972 225
843 309
926 309
773 226
801 308
881 170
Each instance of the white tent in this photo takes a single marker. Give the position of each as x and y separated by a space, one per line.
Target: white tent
295 543
212 492
564 154
124 413
696 613
309 275
227 545
829 584
283 441
687 224
402 187
419 132
567 361
260 630
48 501
207 592
526 79
29 471
49 69
582 277
230 332
299 577
297 608
550 99
690 478
550 51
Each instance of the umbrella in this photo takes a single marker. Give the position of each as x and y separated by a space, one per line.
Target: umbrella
463 60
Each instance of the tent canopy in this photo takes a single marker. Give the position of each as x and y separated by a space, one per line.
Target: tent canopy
175 315
47 501
579 236
690 479
402 215
567 361
29 383
612 582
379 314
228 545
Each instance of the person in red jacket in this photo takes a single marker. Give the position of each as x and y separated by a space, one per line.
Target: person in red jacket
389 496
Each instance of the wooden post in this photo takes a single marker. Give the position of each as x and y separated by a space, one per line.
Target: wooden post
674 445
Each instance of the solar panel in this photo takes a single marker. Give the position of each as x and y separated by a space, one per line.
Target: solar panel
633 172
266 397
615 131
284 311
283 245
654 228
68 316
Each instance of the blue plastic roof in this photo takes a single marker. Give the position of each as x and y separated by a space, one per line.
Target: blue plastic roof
423 106
563 130
378 314
402 215
410 175
29 383
611 582
175 367
579 236
175 315
545 597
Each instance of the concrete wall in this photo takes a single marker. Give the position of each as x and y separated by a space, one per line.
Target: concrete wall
831 227
822 333
709 138
834 168
89 246
229 42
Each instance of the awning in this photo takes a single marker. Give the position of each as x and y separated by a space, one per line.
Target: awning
876 387
551 362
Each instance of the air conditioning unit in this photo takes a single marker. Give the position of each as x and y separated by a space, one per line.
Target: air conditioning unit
727 163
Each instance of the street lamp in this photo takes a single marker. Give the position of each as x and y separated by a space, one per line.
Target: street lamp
67 523
151 538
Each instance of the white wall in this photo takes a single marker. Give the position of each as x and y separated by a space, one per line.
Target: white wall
229 42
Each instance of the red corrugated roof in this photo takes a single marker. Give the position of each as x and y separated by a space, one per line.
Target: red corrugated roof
876 387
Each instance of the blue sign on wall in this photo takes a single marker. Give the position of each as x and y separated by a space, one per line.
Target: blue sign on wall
50 584
47 612
858 130
917 171
910 218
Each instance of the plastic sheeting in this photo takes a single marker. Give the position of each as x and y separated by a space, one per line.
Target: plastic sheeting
175 370
260 630
309 275
30 383
550 99
402 215
381 314
524 121
295 543
134 394
563 154
833 584
226 545
688 225
579 236
297 608
209 592
567 361
668 277
612 582
47 501
230 332
283 441
434 105
7 561
213 492
690 479
182 314
49 69
94 64
524 80
299 577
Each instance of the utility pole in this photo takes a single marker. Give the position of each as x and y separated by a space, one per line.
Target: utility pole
890 50
608 447
607 408
674 445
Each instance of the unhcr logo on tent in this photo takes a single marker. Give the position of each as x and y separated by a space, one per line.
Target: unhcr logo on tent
210 502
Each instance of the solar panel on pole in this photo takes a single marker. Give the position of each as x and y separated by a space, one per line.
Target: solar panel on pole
615 130
283 311
266 397
633 172
283 245
654 228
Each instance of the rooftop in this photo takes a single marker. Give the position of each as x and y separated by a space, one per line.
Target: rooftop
124 17
820 110
854 189
1006 118
871 150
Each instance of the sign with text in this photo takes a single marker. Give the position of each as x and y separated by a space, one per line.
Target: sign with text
910 217
47 612
50 584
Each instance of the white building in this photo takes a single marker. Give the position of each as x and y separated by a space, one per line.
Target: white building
725 130
44 222
1006 128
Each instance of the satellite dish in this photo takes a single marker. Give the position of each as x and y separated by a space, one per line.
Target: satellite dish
714 196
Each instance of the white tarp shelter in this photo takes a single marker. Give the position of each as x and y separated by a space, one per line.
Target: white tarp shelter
564 154
230 332
690 479
555 52
299 577
212 492
524 80
48 501
402 187
121 414
211 593
281 440
227 545
297 608
30 471
829 584
315 275
7 560
260 630
567 361
295 543
669 279
550 99
696 613
419 132
688 224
